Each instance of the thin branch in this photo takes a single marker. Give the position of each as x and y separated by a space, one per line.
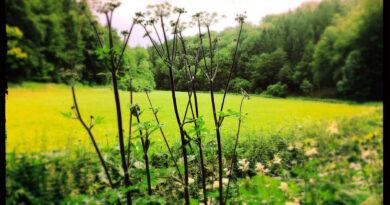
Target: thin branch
163 135
159 38
126 42
234 149
231 70
130 124
118 112
88 129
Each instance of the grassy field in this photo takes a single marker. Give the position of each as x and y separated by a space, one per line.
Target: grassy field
34 121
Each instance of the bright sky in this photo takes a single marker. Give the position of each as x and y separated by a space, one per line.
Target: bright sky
255 11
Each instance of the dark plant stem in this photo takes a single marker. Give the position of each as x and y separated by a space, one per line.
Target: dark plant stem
88 129
147 167
163 135
192 79
219 144
234 63
216 122
234 150
118 113
130 125
183 140
145 147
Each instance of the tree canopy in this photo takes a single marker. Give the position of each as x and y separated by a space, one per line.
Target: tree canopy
331 48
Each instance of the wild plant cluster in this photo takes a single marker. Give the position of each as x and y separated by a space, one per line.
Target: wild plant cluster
163 26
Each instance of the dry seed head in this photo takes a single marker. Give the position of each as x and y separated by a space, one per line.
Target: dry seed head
240 18
105 6
160 10
179 10
139 18
206 18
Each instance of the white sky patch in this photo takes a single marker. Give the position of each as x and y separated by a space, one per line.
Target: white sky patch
255 11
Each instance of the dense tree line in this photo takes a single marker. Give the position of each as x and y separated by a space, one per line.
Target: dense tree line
332 48
45 38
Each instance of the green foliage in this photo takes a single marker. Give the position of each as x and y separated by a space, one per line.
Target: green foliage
352 44
238 83
325 162
278 90
306 87
266 68
333 44
138 68
16 57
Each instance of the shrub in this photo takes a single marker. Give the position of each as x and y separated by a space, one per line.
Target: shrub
306 87
238 83
278 90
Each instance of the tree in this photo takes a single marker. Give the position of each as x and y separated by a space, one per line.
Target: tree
266 67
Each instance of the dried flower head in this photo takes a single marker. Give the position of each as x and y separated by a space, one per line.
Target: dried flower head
179 10
102 6
139 18
240 18
206 19
160 10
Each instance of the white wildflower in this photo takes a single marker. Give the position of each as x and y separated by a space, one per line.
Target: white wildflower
243 165
355 166
190 180
277 159
366 154
333 128
295 202
139 165
216 184
225 181
311 152
259 168
283 186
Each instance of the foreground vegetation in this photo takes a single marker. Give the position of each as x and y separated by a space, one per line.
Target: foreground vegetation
334 161
208 162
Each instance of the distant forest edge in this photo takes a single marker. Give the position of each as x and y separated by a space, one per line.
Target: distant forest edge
332 48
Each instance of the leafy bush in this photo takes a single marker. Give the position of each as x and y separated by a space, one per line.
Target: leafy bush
239 83
306 87
278 90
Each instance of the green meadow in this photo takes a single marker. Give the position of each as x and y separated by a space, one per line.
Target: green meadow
36 115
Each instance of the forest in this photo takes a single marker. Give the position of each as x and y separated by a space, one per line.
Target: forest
328 49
